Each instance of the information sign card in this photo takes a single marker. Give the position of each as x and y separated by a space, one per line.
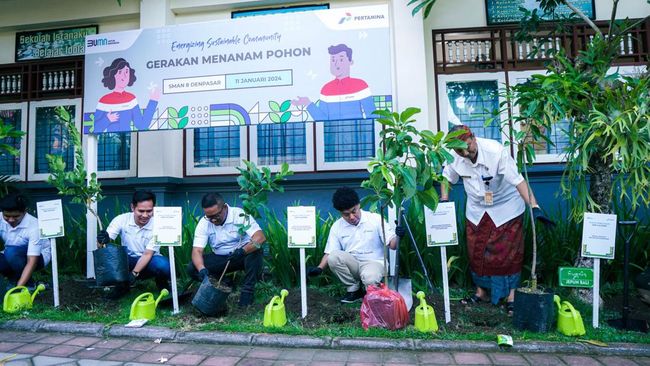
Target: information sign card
441 225
598 235
301 223
50 219
168 226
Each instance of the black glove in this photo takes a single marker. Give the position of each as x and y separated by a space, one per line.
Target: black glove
237 254
103 238
314 271
132 278
203 274
400 231
444 200
539 215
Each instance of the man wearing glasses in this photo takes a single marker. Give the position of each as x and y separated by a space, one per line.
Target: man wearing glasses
355 246
220 227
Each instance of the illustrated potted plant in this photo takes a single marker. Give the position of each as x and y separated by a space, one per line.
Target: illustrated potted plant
111 262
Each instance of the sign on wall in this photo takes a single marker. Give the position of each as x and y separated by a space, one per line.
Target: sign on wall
52 43
507 11
295 67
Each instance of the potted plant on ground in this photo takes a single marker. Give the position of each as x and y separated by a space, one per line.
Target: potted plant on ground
111 262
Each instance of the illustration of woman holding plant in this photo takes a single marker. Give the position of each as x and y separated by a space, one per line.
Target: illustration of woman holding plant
119 110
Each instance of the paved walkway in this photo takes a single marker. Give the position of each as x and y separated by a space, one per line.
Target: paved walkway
41 349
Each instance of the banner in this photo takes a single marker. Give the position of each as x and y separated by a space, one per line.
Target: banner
294 67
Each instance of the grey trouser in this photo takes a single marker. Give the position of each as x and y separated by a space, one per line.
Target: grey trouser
352 271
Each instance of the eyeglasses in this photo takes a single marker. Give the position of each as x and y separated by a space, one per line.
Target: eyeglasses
216 218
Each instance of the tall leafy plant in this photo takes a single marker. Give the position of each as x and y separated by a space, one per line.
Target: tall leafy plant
73 182
407 164
7 131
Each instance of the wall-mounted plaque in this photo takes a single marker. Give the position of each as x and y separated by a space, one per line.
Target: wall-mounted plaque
507 11
52 43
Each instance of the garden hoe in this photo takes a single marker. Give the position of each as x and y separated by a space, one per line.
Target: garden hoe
403 286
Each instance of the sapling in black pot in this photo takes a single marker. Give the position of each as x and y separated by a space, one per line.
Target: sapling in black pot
111 262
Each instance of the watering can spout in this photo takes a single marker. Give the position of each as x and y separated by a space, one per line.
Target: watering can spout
38 289
163 294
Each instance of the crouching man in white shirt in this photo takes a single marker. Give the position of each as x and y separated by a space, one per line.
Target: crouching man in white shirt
25 252
136 231
355 246
220 228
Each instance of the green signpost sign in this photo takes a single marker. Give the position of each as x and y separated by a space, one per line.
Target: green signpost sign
576 277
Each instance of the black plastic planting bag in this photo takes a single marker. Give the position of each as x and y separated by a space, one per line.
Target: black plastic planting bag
111 265
210 298
534 311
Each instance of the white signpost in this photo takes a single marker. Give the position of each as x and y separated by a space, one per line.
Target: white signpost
168 231
441 231
301 233
598 241
50 225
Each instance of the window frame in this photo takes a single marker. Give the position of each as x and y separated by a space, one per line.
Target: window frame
124 173
22 165
322 165
191 170
308 166
76 102
499 77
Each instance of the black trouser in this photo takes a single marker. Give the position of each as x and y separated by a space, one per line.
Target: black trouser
251 264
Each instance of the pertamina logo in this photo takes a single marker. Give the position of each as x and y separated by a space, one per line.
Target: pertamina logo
346 18
100 42
349 17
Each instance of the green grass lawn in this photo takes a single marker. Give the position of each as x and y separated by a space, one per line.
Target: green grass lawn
326 317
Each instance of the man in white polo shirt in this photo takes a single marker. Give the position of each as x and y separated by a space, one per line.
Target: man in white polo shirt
355 246
220 228
25 251
135 230
496 199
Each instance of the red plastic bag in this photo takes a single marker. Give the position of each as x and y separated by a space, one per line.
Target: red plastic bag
384 308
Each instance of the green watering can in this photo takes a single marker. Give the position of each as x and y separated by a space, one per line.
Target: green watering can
569 320
425 318
18 299
274 313
144 306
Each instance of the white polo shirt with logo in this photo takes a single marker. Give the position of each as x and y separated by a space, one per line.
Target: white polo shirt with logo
493 160
26 234
136 239
364 240
224 239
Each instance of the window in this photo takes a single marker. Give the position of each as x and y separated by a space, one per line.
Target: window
348 144
48 136
15 115
215 149
471 99
278 143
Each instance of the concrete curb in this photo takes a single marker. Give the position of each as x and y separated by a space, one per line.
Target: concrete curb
283 340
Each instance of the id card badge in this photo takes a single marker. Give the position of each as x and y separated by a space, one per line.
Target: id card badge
489 198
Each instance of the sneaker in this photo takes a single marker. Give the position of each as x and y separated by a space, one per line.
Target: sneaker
246 299
353 296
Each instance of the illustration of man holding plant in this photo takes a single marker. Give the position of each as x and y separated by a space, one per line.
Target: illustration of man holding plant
344 97
119 110
496 197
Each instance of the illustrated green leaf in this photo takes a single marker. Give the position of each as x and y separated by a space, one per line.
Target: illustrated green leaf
285 105
285 117
275 107
173 123
274 117
171 111
183 111
183 122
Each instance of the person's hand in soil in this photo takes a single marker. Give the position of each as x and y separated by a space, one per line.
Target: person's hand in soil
314 271
103 238
236 255
132 278
203 274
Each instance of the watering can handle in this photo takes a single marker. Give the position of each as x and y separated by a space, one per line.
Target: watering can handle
137 299
269 307
573 311
22 288
556 300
